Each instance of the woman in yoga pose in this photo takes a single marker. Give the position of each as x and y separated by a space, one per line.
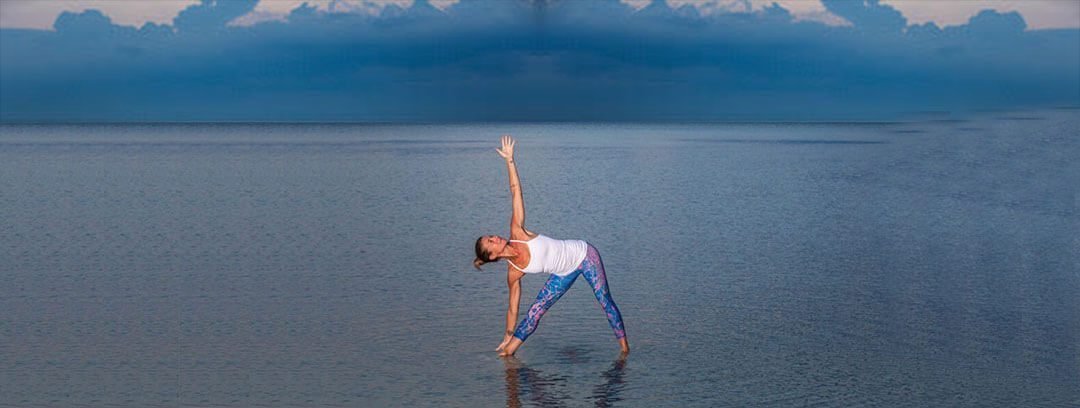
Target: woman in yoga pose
527 252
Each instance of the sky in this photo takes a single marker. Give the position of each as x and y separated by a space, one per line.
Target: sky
1038 14
531 60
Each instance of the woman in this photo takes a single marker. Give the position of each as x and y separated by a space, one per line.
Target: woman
527 252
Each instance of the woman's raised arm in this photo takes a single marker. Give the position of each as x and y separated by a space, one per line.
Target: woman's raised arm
517 217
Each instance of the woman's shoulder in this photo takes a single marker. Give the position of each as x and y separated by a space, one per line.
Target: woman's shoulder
522 234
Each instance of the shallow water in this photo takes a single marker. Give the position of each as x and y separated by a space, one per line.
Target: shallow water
923 263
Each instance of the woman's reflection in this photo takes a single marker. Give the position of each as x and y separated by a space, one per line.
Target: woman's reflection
548 390
607 392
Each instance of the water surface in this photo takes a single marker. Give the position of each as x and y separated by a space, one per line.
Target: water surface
891 264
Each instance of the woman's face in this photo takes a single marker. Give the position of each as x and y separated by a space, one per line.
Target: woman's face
493 244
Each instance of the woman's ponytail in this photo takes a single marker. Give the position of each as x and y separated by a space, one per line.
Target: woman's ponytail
481 255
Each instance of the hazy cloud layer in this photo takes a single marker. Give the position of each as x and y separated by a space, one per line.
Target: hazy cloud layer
530 60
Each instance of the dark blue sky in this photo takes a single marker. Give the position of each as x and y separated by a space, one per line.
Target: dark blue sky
521 60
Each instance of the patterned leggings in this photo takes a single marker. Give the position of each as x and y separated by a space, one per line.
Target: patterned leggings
593 270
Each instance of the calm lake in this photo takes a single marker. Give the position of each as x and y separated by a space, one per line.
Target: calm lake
919 263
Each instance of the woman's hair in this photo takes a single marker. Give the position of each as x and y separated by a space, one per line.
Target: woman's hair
482 256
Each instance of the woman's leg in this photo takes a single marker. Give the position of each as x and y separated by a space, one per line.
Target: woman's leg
594 273
555 287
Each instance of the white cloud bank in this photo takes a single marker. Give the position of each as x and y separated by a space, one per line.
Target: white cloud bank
1038 14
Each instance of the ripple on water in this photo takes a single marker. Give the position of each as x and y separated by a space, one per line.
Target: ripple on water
780 264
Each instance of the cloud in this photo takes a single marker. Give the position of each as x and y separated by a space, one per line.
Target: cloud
212 14
529 60
88 23
1038 14
990 24
41 14
869 15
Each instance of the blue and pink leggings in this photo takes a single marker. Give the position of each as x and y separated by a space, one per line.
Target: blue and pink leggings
593 270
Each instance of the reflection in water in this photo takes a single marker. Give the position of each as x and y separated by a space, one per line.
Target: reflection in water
540 389
607 393
548 391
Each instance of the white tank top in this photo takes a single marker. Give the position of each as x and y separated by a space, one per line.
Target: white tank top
554 256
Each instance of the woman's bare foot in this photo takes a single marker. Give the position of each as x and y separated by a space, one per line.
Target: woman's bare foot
625 345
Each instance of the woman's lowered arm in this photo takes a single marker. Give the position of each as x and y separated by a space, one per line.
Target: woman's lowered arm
513 282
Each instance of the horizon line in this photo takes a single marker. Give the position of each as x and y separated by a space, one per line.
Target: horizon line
909 117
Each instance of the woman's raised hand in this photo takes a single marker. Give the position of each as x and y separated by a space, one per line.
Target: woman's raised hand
507 150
